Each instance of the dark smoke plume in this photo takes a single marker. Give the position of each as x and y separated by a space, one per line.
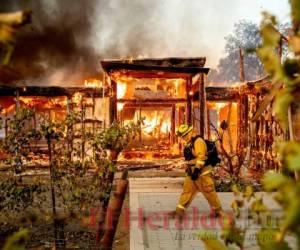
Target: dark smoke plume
67 38
55 49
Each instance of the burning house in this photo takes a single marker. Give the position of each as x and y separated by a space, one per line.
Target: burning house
163 93
55 103
158 91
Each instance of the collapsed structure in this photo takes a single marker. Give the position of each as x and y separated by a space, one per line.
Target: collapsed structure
163 93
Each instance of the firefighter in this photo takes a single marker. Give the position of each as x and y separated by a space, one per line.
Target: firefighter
198 174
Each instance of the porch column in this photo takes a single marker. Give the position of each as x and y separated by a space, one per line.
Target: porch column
173 124
113 115
201 105
189 100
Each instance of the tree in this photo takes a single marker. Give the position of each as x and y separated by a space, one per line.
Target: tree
245 35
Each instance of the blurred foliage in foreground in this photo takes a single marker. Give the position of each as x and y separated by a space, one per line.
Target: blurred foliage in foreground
9 24
285 75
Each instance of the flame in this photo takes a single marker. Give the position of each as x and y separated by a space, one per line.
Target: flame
155 125
149 125
28 101
120 106
77 97
177 83
121 89
57 102
130 59
7 110
236 84
93 83
122 82
220 105
165 127
43 102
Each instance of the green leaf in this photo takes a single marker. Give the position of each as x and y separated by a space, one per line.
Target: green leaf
292 213
272 181
290 154
235 190
264 236
266 240
281 106
258 206
293 162
7 33
271 62
248 193
294 44
270 35
231 234
16 241
295 10
211 240
235 208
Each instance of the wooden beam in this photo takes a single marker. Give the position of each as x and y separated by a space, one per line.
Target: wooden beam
208 123
173 124
202 103
51 91
150 74
239 123
242 70
266 101
154 66
140 101
113 102
188 88
245 120
165 62
148 104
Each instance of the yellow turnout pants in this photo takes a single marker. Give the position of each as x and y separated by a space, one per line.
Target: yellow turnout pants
203 184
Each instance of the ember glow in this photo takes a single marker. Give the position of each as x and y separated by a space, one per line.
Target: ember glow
93 83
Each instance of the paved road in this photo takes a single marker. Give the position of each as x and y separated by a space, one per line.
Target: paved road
151 228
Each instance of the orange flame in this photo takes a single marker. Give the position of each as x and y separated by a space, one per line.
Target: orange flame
156 124
93 83
121 90
120 106
77 97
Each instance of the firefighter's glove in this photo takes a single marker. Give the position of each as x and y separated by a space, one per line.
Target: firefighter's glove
195 174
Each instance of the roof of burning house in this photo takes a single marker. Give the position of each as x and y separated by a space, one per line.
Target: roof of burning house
48 91
157 67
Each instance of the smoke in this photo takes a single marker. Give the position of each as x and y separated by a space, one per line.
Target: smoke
67 38
162 28
55 48
144 28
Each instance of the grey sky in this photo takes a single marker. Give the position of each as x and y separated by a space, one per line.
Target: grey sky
158 28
